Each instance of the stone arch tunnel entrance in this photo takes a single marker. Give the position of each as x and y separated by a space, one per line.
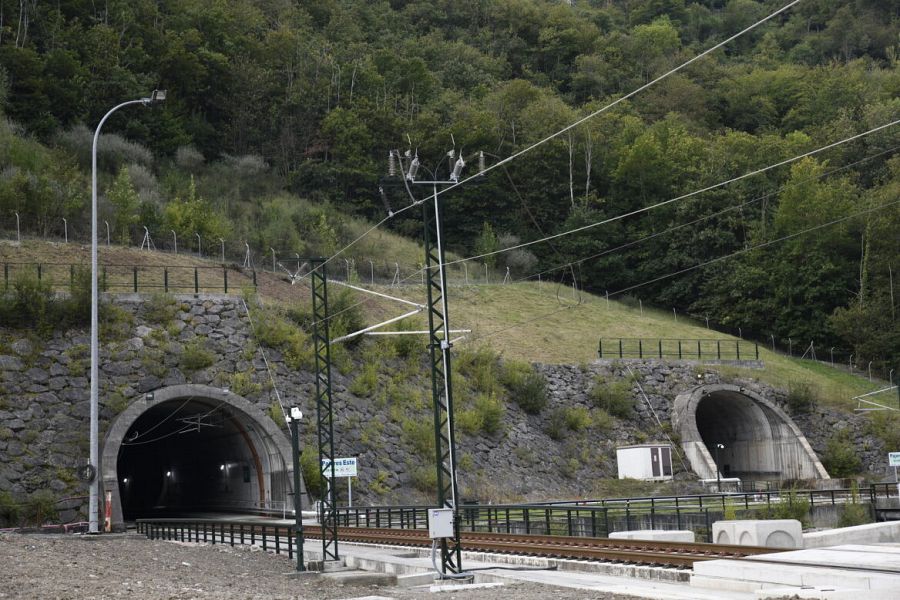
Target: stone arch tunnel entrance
760 440
194 448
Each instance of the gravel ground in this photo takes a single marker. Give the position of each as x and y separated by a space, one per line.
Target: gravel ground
74 567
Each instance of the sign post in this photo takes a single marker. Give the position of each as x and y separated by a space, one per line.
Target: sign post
894 461
343 467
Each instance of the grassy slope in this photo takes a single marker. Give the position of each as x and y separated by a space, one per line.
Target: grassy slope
527 321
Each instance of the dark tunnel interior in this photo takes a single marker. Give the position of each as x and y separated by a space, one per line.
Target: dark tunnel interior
187 455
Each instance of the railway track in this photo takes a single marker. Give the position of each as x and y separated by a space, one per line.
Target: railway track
278 536
660 553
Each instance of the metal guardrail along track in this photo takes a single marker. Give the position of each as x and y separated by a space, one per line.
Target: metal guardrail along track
663 553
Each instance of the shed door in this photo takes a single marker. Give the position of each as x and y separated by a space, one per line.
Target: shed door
654 459
667 461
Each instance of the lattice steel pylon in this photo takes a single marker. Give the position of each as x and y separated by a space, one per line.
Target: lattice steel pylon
439 346
324 412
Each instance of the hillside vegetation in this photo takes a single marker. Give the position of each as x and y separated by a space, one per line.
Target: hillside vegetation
280 117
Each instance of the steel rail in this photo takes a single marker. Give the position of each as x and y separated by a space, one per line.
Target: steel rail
277 536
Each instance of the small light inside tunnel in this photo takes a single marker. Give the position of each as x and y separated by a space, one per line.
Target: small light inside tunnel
221 467
125 480
168 473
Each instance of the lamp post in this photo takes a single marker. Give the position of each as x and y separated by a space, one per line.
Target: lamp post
718 473
93 516
293 419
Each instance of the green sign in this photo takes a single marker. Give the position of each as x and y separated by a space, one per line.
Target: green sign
894 459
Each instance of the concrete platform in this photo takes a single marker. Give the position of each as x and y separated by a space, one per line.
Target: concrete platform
873 533
851 571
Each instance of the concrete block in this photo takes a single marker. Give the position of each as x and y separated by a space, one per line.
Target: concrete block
671 535
361 578
873 533
775 533
415 579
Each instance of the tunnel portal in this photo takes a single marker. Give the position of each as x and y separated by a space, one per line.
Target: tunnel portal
193 448
734 432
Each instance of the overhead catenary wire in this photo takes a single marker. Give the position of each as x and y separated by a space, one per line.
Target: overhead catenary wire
707 217
569 127
687 269
681 197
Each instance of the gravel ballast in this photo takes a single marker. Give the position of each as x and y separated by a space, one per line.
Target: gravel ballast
130 566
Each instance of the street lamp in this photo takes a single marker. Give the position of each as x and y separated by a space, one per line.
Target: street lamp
293 420
93 517
718 473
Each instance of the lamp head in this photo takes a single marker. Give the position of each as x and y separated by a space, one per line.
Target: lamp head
457 168
296 414
157 96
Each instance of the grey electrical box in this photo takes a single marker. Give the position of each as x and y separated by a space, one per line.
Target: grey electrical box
440 523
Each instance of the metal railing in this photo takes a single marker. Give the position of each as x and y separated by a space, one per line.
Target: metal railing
699 349
138 278
214 531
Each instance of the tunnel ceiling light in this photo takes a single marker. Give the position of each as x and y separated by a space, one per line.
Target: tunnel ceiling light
125 480
221 467
168 473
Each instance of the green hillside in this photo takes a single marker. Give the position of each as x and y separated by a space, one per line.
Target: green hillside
524 321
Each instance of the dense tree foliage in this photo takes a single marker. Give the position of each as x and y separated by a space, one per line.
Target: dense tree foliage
267 96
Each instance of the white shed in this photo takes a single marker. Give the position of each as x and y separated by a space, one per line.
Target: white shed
645 461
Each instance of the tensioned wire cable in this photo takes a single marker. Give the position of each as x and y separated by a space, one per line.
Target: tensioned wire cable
182 430
693 267
707 217
677 198
569 127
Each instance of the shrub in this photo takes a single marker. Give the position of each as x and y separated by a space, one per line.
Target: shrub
791 506
491 411
419 435
242 384
160 309
801 397
40 508
309 468
527 388
195 356
273 330
854 513
378 485
840 458
364 384
555 425
9 510
614 397
424 479
577 418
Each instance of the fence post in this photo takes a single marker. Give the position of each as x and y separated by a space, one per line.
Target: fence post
40 271
254 278
718 350
640 348
166 281
737 347
660 348
196 281
599 347
698 350
679 349
71 274
135 279
6 277
225 274
756 346
620 347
